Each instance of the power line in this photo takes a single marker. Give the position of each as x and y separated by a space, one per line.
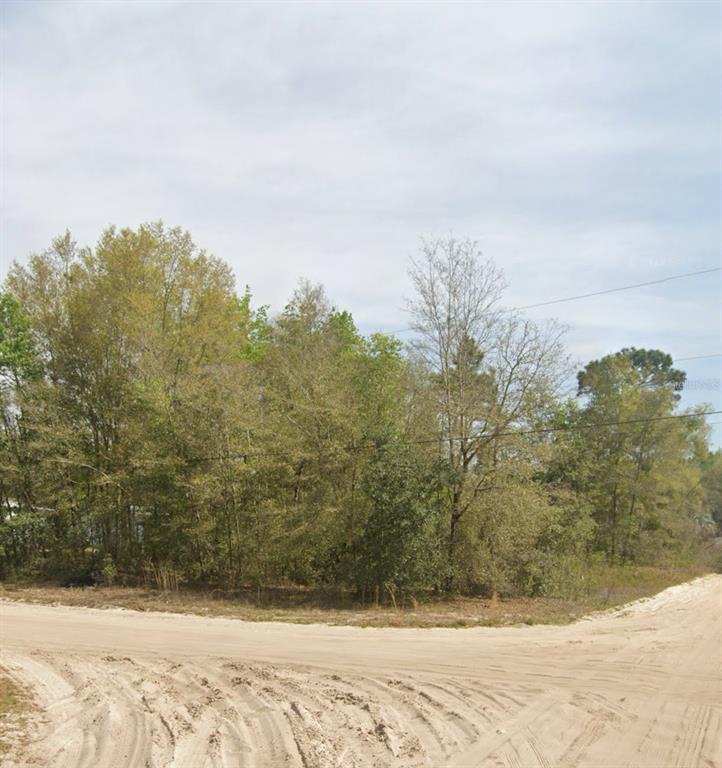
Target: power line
683 359
576 427
604 292
695 357
622 288
511 433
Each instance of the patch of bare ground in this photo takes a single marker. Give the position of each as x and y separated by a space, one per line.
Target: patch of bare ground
603 589
632 688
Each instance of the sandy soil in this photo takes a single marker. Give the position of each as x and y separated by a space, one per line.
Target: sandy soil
641 686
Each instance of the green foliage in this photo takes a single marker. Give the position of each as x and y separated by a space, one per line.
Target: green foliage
255 326
18 359
640 367
396 549
642 478
712 486
109 570
157 424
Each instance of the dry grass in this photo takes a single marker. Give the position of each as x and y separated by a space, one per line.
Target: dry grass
603 589
14 709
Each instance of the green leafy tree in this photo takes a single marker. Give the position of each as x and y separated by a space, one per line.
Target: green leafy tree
712 486
156 424
396 551
487 370
640 475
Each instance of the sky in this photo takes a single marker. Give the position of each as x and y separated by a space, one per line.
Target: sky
578 143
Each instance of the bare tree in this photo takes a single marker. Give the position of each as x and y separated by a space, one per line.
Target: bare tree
488 364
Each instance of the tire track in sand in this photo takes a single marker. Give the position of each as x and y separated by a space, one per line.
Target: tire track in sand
637 687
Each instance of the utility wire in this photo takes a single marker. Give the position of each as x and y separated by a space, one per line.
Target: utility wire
604 292
510 433
674 360
622 288
695 357
546 430
572 427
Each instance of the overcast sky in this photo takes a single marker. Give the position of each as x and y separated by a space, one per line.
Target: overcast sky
579 143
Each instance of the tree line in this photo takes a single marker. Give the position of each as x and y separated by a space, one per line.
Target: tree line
153 418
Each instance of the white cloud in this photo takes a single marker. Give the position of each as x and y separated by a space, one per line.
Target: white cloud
578 142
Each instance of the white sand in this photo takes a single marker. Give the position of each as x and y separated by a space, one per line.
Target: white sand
641 686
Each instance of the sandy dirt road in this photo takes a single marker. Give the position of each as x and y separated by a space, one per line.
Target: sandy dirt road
641 686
